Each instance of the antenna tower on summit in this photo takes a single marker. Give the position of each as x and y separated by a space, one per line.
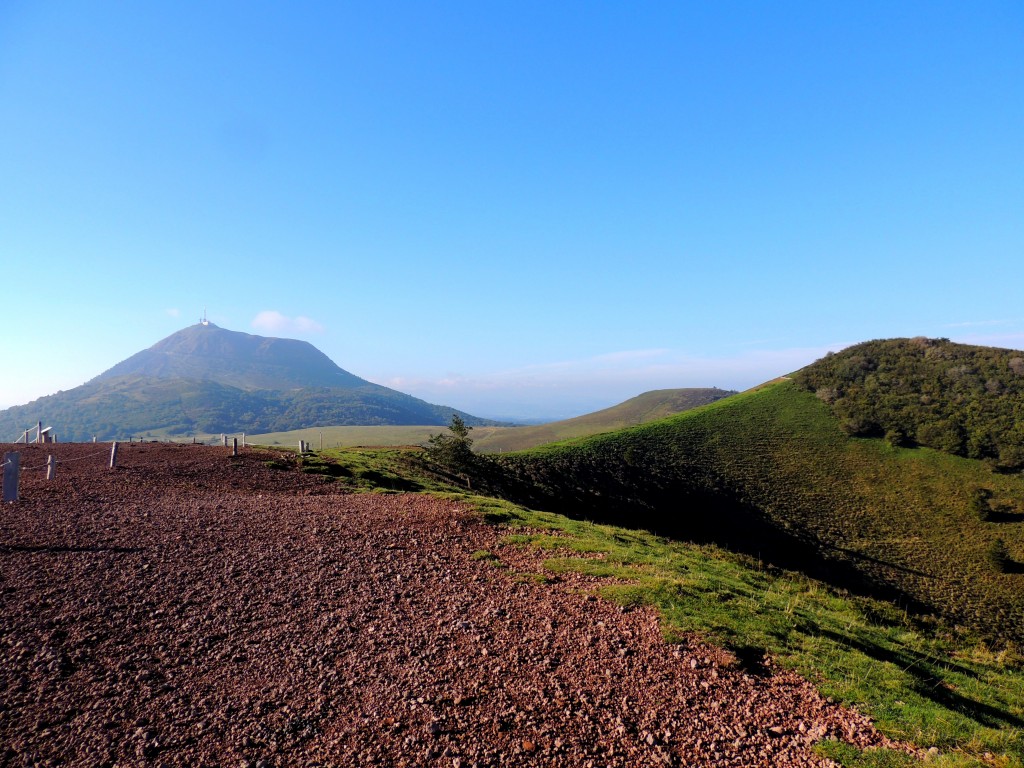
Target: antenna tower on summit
204 321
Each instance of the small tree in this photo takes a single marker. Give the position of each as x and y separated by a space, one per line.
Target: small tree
454 450
999 556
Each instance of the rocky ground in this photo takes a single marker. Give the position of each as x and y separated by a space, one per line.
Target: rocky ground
190 608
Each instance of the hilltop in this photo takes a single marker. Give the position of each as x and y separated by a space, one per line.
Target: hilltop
206 379
206 352
957 398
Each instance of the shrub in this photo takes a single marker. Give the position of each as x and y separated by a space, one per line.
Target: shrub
981 504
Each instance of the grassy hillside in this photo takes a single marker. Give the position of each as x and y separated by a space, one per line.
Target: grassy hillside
772 473
649 406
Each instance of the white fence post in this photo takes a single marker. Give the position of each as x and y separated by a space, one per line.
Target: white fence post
12 466
51 467
113 455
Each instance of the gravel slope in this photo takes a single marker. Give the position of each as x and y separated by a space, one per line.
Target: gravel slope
190 608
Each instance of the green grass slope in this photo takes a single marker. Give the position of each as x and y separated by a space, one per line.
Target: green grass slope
771 472
641 409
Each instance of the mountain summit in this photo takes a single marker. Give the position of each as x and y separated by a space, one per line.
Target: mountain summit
207 352
206 379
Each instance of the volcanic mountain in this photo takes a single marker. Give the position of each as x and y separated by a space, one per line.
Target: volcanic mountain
206 379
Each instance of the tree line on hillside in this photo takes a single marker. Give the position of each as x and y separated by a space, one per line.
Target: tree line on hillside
959 399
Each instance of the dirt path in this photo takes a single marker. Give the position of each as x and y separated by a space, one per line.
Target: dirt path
193 609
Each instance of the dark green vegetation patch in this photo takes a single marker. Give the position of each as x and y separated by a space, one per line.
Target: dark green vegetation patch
960 399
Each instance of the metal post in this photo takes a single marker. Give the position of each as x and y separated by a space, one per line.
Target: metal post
113 455
51 467
12 465
234 446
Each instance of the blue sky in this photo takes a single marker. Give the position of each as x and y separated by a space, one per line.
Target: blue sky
519 209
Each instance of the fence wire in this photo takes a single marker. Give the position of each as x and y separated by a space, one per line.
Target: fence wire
58 462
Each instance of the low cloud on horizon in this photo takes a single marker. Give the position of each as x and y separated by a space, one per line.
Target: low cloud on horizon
272 321
574 387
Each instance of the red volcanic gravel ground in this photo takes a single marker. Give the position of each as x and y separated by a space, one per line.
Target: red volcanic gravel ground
193 609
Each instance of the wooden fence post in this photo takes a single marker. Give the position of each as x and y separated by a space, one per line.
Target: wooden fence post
51 467
234 446
243 439
12 465
113 455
